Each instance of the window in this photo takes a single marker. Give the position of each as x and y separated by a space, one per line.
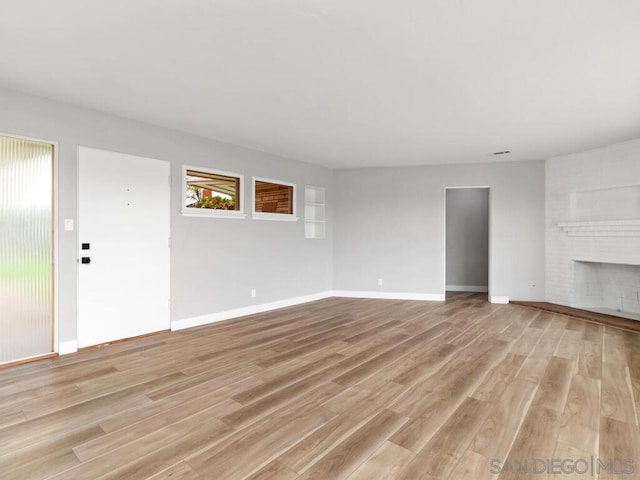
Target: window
274 200
212 193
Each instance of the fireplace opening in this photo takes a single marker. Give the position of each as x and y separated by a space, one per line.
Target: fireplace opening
609 288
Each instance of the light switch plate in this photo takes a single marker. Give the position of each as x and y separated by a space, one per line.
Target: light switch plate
68 224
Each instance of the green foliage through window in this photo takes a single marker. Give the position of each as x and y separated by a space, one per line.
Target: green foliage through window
218 203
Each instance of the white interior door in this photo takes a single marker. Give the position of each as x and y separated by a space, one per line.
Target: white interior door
123 229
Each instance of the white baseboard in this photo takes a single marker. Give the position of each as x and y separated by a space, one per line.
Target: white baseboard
250 310
432 297
498 299
467 288
65 348
289 302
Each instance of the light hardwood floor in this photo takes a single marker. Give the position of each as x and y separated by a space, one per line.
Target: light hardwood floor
339 388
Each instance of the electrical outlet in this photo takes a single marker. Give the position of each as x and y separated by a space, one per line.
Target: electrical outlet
379 282
253 293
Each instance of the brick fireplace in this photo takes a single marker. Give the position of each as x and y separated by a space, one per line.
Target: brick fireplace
593 230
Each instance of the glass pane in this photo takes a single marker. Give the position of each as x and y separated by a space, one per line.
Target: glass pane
212 190
25 248
273 198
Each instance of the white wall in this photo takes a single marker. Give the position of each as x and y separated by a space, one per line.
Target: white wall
576 181
389 224
214 262
467 232
389 221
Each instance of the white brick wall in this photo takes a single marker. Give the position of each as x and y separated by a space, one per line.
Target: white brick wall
615 167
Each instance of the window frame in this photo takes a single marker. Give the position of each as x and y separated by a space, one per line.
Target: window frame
281 217
211 212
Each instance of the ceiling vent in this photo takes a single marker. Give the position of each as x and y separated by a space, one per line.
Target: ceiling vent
504 152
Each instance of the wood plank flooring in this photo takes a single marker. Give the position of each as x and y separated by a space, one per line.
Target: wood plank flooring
336 389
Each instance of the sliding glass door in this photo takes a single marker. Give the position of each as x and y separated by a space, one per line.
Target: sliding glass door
26 249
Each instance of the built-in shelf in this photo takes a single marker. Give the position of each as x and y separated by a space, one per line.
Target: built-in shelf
602 228
314 212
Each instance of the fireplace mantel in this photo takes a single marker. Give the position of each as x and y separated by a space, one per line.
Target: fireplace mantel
603 228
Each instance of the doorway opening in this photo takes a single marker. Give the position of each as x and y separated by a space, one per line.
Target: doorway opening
466 240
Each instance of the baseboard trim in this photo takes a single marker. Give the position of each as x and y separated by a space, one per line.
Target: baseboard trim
120 340
290 302
467 288
250 310
498 299
430 297
64 348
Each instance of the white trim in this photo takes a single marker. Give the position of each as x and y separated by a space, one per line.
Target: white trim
64 348
605 228
498 299
430 297
467 288
280 217
76 242
289 302
210 212
250 310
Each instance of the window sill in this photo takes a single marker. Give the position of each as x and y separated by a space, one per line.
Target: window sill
278 217
212 213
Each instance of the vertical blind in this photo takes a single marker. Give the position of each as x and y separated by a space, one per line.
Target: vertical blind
26 248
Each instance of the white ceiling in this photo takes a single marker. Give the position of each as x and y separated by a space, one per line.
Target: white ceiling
343 83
